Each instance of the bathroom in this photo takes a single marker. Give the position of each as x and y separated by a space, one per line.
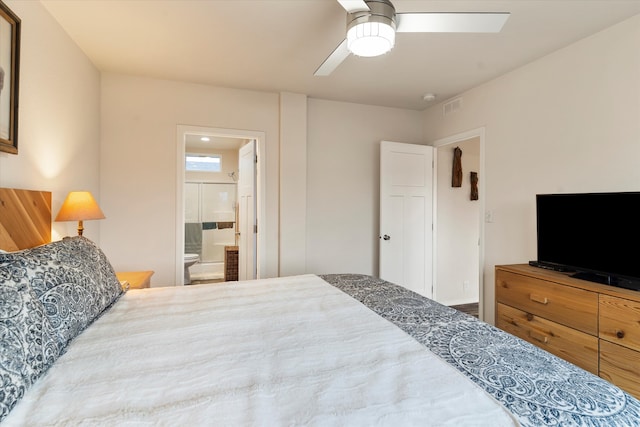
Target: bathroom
210 194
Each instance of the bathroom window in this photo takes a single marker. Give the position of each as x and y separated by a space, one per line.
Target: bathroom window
203 163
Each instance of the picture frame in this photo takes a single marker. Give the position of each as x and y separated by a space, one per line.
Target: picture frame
10 26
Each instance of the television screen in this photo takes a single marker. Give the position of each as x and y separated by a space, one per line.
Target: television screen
595 234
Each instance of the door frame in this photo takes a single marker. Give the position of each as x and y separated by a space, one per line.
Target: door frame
260 138
453 139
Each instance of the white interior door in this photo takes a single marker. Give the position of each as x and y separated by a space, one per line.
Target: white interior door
406 215
247 225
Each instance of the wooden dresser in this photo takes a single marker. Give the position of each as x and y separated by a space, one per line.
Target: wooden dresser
594 326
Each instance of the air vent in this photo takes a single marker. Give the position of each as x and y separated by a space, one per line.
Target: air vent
451 106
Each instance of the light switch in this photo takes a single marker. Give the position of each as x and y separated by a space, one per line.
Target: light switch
488 216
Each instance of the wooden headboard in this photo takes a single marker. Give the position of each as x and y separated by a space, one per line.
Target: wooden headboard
25 218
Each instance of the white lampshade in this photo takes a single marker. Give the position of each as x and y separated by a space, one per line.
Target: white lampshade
370 38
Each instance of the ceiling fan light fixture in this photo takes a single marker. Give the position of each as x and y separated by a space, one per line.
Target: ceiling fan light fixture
372 32
371 38
372 27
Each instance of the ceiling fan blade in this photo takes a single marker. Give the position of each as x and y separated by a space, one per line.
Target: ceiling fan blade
480 22
339 54
353 5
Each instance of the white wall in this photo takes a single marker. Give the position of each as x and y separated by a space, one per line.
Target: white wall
293 183
458 229
338 152
138 162
59 116
569 122
343 179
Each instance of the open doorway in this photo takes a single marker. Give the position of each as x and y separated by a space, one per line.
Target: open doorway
208 218
459 233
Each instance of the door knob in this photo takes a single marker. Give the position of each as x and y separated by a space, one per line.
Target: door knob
386 237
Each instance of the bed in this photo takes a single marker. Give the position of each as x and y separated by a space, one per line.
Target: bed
339 349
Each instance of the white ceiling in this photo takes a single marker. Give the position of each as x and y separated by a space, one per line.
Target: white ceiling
276 45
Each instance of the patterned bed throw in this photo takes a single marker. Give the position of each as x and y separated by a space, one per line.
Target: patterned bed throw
539 388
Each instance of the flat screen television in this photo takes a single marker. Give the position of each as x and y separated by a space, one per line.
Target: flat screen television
594 235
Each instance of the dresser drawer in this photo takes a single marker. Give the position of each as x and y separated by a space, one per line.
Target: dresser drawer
569 306
620 366
574 346
620 321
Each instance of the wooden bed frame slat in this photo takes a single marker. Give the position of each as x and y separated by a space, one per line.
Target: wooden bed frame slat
25 218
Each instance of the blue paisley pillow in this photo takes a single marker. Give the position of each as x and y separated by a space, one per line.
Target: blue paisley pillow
73 280
29 343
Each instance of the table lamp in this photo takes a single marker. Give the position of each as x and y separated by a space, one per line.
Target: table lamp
79 206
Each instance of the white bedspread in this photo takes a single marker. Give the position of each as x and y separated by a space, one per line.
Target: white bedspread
287 351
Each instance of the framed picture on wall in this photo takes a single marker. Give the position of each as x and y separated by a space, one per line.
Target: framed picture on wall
9 73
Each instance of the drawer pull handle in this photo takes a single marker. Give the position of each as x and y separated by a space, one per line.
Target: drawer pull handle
529 317
539 337
620 334
538 298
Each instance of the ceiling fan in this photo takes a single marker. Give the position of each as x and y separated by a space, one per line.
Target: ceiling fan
372 25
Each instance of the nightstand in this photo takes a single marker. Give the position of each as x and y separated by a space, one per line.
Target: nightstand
136 279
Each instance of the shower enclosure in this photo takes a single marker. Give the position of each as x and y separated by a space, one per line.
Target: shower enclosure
210 225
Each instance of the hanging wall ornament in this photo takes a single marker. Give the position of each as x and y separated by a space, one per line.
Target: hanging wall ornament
474 185
456 176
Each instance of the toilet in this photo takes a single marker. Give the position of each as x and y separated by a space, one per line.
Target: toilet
189 260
